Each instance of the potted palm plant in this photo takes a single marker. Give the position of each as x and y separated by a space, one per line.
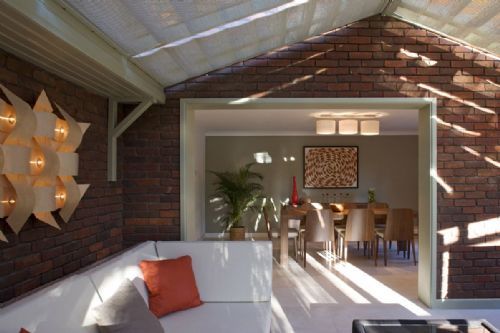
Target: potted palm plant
239 192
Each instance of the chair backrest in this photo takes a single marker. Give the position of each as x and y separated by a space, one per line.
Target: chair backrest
360 225
336 207
399 224
292 223
378 205
319 226
311 206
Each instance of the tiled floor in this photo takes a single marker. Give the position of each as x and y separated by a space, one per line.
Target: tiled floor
328 295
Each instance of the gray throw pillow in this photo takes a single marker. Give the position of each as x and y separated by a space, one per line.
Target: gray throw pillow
126 312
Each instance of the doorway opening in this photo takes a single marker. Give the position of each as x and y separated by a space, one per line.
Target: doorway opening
193 160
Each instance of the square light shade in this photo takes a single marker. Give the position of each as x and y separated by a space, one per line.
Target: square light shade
348 126
370 127
325 126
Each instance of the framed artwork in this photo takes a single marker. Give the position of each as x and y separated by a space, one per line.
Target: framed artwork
331 167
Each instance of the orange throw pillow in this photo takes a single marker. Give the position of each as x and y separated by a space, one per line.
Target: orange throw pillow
171 285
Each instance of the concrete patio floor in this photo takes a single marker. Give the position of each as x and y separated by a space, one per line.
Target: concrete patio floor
328 294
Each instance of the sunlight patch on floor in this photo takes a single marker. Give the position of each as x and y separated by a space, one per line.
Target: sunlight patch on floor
279 322
391 293
310 291
376 289
347 290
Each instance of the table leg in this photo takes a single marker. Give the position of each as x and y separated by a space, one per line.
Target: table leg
284 240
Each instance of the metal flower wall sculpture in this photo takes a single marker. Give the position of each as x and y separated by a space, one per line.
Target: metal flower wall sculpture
37 162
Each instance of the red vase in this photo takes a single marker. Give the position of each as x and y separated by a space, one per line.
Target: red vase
295 194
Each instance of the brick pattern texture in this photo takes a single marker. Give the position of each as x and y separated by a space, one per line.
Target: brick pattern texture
41 253
151 176
376 57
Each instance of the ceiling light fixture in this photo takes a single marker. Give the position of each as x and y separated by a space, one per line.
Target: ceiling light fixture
325 126
370 127
348 126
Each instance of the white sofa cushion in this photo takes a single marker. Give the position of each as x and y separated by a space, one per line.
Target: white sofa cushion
233 271
221 318
62 307
109 275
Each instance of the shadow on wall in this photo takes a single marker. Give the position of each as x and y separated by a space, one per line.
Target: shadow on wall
480 234
463 78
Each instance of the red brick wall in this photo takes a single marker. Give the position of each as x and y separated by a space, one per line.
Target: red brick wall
362 60
41 253
151 177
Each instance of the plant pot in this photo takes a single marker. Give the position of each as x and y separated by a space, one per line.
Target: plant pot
237 233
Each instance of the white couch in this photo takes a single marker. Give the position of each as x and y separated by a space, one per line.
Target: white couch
234 280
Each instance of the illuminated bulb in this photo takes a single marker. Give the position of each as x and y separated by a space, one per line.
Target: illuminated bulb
60 130
60 196
285 159
11 119
292 158
11 201
38 162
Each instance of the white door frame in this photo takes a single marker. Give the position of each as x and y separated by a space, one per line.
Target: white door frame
427 206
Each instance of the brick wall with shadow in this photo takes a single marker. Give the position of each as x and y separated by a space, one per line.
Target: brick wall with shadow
376 57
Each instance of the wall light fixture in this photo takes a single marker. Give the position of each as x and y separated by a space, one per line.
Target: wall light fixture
37 162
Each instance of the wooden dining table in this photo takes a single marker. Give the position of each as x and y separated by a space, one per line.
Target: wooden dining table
298 213
378 212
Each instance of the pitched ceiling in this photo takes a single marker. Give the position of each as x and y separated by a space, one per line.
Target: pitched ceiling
130 49
175 40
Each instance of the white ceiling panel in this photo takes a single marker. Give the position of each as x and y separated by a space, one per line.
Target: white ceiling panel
476 22
192 34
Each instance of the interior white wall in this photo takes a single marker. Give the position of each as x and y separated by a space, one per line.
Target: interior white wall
387 163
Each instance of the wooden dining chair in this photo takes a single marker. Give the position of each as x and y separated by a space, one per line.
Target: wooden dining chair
293 231
319 228
399 227
379 220
360 227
